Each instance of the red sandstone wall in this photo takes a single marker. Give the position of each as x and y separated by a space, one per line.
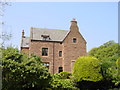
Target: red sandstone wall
53 53
73 50
25 50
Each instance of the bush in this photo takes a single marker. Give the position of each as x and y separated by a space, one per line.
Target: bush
60 81
87 68
63 75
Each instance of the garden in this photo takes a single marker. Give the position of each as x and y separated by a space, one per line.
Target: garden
99 70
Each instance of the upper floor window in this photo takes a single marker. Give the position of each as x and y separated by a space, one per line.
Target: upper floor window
74 40
60 53
44 51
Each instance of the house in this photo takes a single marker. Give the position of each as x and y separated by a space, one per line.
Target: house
58 48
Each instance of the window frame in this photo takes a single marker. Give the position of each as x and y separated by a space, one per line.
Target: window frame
44 52
74 40
60 69
60 53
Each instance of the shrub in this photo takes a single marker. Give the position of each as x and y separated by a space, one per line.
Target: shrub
87 68
60 81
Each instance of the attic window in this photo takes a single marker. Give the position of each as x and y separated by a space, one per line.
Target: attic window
45 37
74 40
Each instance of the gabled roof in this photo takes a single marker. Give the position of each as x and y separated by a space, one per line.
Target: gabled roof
54 34
38 33
25 42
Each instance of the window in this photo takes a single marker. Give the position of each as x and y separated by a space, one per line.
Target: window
74 40
45 37
60 69
44 51
46 64
72 63
60 53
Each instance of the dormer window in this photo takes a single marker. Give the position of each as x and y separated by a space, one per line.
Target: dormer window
45 37
74 40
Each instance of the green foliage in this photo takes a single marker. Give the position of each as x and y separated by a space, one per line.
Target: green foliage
116 75
63 75
118 65
108 69
108 54
60 81
87 69
22 72
107 51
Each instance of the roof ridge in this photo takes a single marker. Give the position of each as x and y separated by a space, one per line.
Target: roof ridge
48 29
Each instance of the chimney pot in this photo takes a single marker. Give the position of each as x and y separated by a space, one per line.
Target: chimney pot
73 19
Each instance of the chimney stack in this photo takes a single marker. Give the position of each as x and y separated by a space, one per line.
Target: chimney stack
74 26
23 34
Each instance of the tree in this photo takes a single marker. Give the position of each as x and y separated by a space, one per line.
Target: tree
2 4
87 69
23 72
118 65
4 36
108 54
107 51
116 76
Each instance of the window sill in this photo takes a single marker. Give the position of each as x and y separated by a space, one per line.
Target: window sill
44 56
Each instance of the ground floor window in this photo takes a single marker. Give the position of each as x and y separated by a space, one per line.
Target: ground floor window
72 64
60 69
46 64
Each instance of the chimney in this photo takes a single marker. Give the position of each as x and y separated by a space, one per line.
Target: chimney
74 26
23 34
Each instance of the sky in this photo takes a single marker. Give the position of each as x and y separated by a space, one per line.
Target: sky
97 21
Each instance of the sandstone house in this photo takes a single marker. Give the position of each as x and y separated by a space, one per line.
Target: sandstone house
58 48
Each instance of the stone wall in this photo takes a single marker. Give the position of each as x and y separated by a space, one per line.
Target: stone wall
73 50
53 53
70 50
25 50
